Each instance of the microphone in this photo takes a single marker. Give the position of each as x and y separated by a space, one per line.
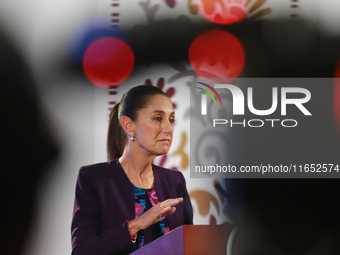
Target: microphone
221 190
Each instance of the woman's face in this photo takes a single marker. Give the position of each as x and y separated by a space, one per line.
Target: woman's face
154 126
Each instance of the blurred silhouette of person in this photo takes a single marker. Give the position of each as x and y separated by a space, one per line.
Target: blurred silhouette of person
26 148
289 216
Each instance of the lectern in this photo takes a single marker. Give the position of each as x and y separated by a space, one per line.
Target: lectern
190 240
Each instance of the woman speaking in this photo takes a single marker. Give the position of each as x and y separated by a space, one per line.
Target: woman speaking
127 202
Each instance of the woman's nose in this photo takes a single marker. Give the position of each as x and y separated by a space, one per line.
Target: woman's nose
168 126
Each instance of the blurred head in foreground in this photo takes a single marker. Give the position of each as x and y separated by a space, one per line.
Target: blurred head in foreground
25 148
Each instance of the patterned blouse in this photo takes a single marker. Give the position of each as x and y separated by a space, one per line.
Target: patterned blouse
144 200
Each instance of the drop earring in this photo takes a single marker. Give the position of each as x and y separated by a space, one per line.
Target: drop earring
132 137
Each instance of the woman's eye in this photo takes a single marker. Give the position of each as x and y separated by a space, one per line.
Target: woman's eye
172 120
158 119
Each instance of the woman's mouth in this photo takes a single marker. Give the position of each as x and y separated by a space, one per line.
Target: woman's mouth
164 140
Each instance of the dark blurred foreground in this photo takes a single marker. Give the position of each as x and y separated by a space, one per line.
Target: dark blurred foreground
26 148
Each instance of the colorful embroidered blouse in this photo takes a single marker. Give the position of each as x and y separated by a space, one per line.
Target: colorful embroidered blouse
144 200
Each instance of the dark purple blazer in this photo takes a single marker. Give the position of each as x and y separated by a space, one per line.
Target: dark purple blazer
105 199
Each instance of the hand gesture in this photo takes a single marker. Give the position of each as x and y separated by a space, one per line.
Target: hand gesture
154 214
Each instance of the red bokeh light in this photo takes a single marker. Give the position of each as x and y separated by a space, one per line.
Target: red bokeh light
108 62
217 56
222 11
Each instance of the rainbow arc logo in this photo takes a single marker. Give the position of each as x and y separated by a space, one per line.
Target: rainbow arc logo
204 97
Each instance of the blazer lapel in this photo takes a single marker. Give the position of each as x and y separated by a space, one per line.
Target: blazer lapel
126 196
163 191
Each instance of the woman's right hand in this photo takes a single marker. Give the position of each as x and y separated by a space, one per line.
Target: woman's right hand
154 214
